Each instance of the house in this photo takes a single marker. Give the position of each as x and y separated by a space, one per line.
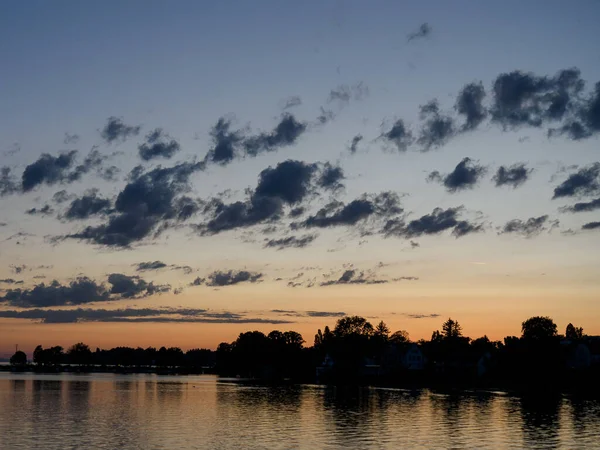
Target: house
405 356
413 358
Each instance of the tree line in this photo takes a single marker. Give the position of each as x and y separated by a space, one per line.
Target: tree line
352 351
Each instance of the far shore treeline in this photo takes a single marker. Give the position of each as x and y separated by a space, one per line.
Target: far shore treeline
356 352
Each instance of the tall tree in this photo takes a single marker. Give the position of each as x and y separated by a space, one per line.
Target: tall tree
574 333
18 359
538 328
451 329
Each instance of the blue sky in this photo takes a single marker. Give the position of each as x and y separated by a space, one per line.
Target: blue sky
180 66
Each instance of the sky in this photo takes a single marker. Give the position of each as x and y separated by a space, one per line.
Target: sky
175 173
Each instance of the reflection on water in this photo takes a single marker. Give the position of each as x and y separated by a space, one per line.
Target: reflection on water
150 412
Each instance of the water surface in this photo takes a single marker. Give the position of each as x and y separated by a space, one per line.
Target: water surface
105 411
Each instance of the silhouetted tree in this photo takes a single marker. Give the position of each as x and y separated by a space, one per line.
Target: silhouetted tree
451 329
18 359
79 354
399 337
538 328
353 325
574 333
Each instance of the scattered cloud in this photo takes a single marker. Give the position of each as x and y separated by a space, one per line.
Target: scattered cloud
331 177
586 181
399 136
591 226
465 175
116 130
229 278
150 265
422 32
70 139
469 104
436 128
352 276
226 142
583 206
514 175
291 102
529 228
133 286
158 145
354 143
43 211
290 242
344 93
438 221
86 206
286 133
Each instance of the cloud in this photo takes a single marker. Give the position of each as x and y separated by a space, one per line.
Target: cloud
86 206
421 316
135 315
586 181
43 211
133 286
70 138
61 196
198 281
514 175
438 221
344 93
436 128
354 144
158 145
149 203
289 182
286 133
226 142
465 175
229 278
11 281
591 226
399 136
291 102
331 177
150 265
8 185
325 314
334 214
583 206
290 242
527 99
422 32
529 228
82 290
353 277
116 130
469 104
18 268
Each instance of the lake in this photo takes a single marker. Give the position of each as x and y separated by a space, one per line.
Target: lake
105 411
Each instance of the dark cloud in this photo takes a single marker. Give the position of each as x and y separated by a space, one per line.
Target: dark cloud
469 104
525 99
8 184
186 269
18 268
150 265
226 142
331 177
422 32
11 281
148 204
86 206
198 281
43 211
289 181
586 181
49 170
126 286
438 221
583 206
465 175
291 102
354 144
436 128
421 316
339 214
399 136
285 133
514 175
138 315
116 130
82 290
158 145
297 212
325 314
529 228
221 278
326 116
70 139
290 242
591 226
353 277
61 196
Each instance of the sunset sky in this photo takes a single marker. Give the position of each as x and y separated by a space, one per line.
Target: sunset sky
175 173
